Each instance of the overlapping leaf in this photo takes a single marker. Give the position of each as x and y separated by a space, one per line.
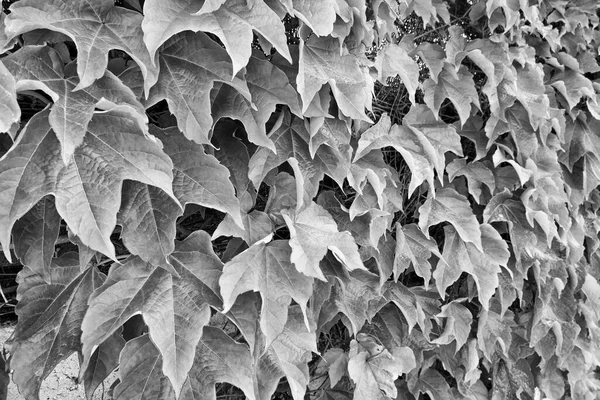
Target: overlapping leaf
291 141
312 233
50 314
190 64
175 308
418 152
95 27
198 178
9 107
484 266
266 268
40 67
321 63
148 217
268 86
114 144
34 235
232 21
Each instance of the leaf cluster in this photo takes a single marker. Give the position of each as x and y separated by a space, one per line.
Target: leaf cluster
408 192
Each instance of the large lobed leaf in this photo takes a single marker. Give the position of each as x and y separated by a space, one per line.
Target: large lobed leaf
175 308
95 27
114 144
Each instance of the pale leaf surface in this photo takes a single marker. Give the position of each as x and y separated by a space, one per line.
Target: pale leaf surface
414 248
257 225
484 266
458 324
314 231
395 60
148 216
95 27
321 63
198 178
350 293
288 356
318 15
291 141
218 359
442 136
190 64
477 173
266 268
450 206
458 87
232 21
140 373
417 305
9 108
113 143
174 308
268 86
418 152
40 67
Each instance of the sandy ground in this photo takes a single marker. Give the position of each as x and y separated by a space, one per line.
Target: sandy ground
61 384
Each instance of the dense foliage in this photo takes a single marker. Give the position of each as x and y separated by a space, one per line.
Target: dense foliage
408 192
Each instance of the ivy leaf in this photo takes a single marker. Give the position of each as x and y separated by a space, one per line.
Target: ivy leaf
442 136
321 63
104 360
257 225
483 266
524 238
140 372
417 305
266 268
190 64
394 60
413 247
416 150
232 21
268 86
96 28
433 56
458 324
35 234
113 144
148 217
448 205
291 141
374 375
319 16
9 108
40 67
198 178
312 232
288 356
350 294
174 308
233 154
333 132
50 312
218 359
477 174
458 87
494 329
432 383
335 363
